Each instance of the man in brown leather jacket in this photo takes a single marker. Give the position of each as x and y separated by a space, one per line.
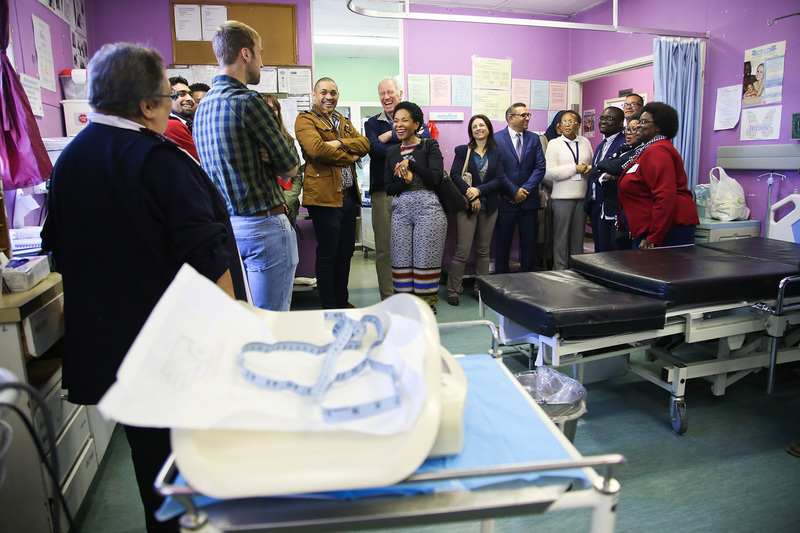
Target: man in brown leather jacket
331 147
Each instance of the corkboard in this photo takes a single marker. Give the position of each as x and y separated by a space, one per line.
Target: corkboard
275 23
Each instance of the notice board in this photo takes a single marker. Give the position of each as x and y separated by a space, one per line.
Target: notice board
275 23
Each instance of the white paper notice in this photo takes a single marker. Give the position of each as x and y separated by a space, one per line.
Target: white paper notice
440 89
34 93
493 104
203 73
760 123
729 104
68 13
419 90
461 90
44 53
520 90
213 16
491 73
268 82
187 23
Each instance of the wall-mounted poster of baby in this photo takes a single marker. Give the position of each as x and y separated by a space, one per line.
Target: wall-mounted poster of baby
762 82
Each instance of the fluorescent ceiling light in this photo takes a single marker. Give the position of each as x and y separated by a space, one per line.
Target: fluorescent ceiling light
356 40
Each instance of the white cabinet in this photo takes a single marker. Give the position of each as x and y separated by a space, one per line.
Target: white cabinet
30 324
711 230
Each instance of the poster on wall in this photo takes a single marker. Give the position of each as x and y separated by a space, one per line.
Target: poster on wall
461 90
491 73
80 50
540 95
588 123
419 89
493 104
44 53
520 91
80 17
762 82
68 13
33 92
558 95
440 89
760 124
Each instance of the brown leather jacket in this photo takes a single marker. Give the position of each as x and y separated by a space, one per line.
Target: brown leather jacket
322 182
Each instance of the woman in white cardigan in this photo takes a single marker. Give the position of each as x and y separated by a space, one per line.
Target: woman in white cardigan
569 159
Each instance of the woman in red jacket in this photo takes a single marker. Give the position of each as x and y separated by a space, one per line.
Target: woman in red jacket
660 210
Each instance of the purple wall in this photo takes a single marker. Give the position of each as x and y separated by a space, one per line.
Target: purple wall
595 92
447 48
735 26
52 124
149 22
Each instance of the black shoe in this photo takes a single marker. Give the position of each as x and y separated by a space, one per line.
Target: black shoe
433 308
453 300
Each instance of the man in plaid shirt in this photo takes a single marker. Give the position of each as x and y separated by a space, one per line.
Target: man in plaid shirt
232 123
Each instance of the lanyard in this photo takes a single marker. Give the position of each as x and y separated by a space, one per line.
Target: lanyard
349 335
575 152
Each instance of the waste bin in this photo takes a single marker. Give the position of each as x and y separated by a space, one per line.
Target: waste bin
560 396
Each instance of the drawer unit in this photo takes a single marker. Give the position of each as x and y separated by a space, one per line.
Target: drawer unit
710 230
71 442
80 478
61 410
44 327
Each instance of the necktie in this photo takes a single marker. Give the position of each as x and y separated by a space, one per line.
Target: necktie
600 149
519 146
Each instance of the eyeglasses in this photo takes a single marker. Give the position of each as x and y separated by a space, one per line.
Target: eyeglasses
632 104
632 130
569 122
643 121
179 94
523 115
605 118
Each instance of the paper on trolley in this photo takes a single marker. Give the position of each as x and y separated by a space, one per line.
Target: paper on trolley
183 370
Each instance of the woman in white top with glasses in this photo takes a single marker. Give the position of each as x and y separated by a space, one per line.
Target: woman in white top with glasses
569 159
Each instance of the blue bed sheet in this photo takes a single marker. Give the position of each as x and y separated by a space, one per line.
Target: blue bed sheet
501 429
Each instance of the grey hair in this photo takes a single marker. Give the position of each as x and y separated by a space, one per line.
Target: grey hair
397 85
121 75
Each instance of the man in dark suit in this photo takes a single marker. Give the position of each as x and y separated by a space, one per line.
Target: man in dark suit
601 202
524 167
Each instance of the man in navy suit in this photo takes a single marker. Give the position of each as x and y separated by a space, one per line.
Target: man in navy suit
601 196
524 167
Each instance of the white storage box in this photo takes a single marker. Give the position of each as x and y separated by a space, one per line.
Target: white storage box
76 115
23 274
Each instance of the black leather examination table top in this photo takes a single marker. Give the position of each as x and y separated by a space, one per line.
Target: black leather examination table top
631 290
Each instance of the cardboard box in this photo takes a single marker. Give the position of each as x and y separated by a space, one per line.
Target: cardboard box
23 274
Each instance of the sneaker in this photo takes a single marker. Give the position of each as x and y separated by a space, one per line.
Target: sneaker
794 448
453 300
433 308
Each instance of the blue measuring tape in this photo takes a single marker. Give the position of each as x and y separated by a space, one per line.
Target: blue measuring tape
349 335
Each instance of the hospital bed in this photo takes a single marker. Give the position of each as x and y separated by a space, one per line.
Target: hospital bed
515 461
703 311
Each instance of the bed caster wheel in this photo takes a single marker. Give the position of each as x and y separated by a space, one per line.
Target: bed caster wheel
677 415
366 253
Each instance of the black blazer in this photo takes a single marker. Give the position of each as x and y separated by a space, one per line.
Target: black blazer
426 162
493 180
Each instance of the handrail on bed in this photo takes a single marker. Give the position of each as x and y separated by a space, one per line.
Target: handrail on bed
495 350
776 324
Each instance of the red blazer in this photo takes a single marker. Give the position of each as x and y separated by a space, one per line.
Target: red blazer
653 193
179 134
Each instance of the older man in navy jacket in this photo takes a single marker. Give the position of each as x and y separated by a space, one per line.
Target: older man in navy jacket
524 167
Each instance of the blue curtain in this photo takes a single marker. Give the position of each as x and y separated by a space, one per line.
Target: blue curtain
677 77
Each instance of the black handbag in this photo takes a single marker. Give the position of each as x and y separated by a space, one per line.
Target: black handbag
450 197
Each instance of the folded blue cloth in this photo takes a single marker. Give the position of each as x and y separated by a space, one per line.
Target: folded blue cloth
501 428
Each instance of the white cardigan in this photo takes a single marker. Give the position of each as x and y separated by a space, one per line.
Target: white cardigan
561 168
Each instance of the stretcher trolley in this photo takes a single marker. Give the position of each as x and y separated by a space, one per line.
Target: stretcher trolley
514 461
707 311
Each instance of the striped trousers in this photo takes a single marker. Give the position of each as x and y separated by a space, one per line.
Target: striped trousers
419 229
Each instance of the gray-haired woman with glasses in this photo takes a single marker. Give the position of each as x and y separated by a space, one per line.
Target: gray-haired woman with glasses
569 159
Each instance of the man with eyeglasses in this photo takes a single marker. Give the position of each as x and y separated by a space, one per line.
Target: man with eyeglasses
524 167
183 106
632 105
601 202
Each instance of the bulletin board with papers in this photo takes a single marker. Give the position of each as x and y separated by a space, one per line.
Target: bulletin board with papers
193 25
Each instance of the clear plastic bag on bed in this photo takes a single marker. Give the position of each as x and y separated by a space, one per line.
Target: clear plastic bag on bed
561 396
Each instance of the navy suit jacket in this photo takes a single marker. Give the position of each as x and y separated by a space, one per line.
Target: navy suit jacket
526 174
607 188
493 183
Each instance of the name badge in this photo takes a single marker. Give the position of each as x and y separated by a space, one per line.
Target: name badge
577 177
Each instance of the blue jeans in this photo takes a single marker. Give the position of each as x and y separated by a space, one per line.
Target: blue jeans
268 246
335 230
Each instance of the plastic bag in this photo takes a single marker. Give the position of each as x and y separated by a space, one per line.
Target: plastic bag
559 395
726 202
